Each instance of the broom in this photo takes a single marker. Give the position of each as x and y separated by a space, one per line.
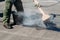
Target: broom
45 16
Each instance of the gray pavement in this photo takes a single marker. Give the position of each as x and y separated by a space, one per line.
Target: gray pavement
30 33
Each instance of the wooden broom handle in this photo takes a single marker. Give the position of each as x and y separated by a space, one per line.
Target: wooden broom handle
45 16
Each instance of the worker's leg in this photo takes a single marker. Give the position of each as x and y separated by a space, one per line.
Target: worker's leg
7 12
19 7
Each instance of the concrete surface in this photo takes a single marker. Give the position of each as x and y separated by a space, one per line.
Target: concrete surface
30 33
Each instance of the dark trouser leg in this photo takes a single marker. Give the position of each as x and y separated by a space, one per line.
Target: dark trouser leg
7 12
19 7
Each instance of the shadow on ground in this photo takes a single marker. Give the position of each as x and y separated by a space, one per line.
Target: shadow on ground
52 26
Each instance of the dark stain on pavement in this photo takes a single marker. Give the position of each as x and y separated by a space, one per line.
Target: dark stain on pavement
2 0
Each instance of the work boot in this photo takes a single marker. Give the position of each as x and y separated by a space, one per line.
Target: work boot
7 26
12 24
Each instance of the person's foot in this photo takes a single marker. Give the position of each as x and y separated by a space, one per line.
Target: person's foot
7 26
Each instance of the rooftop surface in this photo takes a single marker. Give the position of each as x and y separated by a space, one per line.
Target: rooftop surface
30 33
